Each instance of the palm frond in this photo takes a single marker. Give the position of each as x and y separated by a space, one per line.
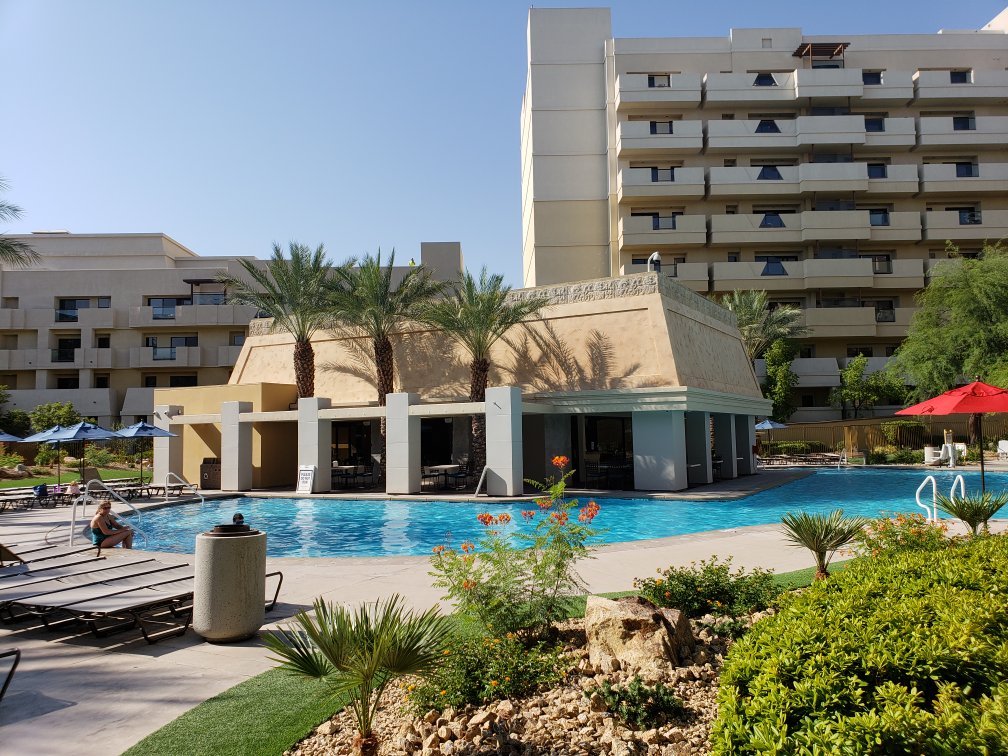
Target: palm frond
975 510
820 533
759 325
14 253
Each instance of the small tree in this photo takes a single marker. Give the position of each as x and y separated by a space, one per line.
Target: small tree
45 416
858 391
975 510
780 379
16 422
761 325
822 534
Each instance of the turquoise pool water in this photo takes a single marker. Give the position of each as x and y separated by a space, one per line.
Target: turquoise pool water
360 528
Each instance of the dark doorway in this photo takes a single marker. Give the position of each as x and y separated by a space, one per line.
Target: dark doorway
436 441
351 442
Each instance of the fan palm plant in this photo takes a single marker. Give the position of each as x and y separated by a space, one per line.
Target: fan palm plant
365 301
359 653
822 534
974 509
293 292
13 253
759 325
478 313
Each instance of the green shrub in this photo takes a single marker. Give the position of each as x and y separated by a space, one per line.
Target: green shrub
98 456
902 533
898 655
710 586
892 455
641 706
11 459
797 447
902 433
47 455
477 670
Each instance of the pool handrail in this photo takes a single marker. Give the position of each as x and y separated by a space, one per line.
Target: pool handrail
932 511
85 497
482 477
184 484
961 483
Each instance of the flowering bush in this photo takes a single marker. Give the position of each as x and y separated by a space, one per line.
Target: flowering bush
902 533
478 670
710 587
515 581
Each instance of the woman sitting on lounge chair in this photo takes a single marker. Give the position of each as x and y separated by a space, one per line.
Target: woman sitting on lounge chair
107 531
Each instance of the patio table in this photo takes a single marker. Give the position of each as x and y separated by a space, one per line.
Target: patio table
444 471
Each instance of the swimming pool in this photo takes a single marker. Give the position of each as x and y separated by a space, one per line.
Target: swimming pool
366 528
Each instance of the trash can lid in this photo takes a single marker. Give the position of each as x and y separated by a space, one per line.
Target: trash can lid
223 531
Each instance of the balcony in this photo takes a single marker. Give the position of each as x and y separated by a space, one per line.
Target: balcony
691 275
835 225
902 226
12 319
99 358
146 357
15 359
897 132
226 356
812 372
833 177
899 179
825 83
897 87
962 131
639 232
651 183
840 273
635 138
895 322
840 322
738 89
983 87
730 136
634 94
191 315
64 355
760 228
824 130
949 178
951 224
746 182
906 274
727 276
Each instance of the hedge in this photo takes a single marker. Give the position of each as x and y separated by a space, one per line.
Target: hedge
903 655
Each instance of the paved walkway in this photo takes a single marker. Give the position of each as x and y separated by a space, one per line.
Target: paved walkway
74 693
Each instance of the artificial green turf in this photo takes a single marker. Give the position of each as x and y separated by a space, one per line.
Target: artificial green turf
67 476
266 715
803 578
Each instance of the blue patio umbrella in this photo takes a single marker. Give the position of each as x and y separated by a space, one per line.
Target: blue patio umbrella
77 432
7 438
144 430
769 424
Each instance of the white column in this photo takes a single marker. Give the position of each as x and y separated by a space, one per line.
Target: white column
504 441
745 441
659 445
402 445
236 447
698 448
724 443
167 450
315 441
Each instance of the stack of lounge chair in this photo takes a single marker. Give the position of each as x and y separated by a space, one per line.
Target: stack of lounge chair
61 585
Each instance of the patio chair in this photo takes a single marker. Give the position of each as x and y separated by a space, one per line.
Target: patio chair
33 557
427 475
16 654
1002 449
944 458
460 480
594 472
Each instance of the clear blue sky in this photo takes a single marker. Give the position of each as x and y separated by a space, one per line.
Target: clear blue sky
229 124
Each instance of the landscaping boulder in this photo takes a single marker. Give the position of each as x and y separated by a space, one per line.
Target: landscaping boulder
636 636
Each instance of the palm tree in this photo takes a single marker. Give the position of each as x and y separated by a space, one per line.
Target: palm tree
364 301
974 510
822 534
292 292
359 653
759 325
13 253
478 314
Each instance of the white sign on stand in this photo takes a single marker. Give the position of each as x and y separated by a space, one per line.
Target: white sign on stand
305 479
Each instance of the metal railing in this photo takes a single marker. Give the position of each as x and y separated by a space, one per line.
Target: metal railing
932 511
86 496
180 481
482 477
163 353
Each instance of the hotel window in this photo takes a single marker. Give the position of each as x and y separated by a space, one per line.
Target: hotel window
857 351
730 162
769 173
68 381
807 400
963 123
659 81
967 170
877 170
874 123
150 341
150 381
960 77
871 78
733 257
104 303
806 352
662 174
771 220
661 127
103 341
180 381
881 264
184 341
766 126
101 381
890 349
968 216
764 80
236 338
878 216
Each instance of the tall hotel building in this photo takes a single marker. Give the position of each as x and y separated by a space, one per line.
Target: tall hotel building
827 170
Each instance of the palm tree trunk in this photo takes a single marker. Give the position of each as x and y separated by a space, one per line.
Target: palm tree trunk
479 372
304 368
973 429
365 746
385 365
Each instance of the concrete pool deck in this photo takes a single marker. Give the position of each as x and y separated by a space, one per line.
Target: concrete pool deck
74 693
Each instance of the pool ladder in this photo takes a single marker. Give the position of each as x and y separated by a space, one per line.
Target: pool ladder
191 487
932 511
87 496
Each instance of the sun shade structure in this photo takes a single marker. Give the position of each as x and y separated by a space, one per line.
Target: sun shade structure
78 432
143 430
972 399
769 424
8 438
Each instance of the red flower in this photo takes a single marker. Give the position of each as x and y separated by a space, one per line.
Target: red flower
468 585
560 461
503 518
528 514
467 547
485 518
560 518
588 512
438 549
544 503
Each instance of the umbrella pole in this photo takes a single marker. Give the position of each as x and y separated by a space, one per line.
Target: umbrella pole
983 482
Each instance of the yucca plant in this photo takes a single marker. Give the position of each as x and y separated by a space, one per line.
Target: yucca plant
822 534
973 509
358 653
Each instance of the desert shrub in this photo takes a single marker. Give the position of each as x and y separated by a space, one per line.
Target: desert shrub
514 581
11 459
98 456
47 455
477 670
902 533
896 655
710 586
641 706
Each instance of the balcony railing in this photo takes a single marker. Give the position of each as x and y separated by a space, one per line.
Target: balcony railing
163 353
163 313
62 355
66 316
210 298
885 316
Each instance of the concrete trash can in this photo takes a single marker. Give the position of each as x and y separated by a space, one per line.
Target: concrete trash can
229 594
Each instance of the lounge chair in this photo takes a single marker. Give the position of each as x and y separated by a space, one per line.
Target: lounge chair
944 458
30 555
16 654
1002 449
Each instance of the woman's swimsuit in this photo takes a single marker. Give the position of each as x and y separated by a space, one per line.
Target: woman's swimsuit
97 536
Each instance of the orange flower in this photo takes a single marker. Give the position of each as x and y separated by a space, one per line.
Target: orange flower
493 683
467 547
560 461
544 503
528 514
485 518
438 549
588 512
468 585
560 518
503 518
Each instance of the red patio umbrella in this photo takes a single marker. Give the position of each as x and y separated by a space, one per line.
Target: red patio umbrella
972 399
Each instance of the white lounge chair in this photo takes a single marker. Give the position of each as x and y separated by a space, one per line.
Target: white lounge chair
1002 449
944 458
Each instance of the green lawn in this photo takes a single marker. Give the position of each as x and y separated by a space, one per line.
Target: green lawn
270 712
68 475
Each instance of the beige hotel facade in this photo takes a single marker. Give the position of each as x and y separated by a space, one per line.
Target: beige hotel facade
827 170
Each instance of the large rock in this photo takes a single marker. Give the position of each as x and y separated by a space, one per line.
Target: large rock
637 635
